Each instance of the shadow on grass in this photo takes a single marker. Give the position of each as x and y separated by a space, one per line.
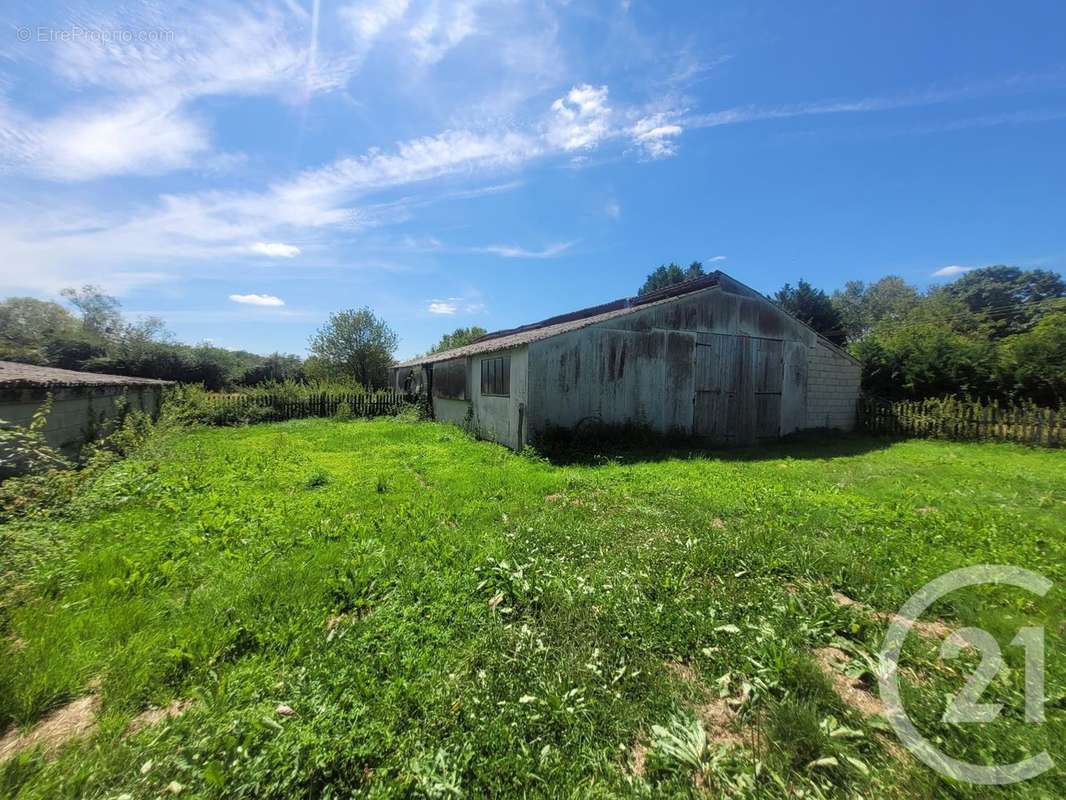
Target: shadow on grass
632 445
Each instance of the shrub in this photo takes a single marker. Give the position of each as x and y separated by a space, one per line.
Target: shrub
410 412
317 479
24 449
54 480
191 404
794 727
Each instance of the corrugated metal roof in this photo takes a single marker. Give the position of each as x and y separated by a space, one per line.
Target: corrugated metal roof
14 374
564 323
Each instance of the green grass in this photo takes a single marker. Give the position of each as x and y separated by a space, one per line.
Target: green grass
449 619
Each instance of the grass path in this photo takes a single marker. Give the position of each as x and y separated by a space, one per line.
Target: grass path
444 618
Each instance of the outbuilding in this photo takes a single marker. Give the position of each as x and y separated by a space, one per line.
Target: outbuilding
82 402
711 358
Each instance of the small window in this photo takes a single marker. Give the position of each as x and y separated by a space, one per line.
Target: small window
496 376
449 379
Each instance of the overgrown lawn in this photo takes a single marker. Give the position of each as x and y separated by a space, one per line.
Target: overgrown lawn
445 618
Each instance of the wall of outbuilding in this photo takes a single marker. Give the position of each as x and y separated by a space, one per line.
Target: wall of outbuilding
833 382
613 376
496 418
78 412
641 367
501 419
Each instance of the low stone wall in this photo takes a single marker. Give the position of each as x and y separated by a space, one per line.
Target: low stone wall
78 412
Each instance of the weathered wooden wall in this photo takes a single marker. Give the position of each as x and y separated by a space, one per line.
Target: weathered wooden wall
729 367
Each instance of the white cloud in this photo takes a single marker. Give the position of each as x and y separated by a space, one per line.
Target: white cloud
954 269
228 49
275 249
751 113
312 205
319 197
454 305
441 27
513 251
613 209
53 240
149 136
446 307
712 259
257 299
656 135
368 20
138 121
581 118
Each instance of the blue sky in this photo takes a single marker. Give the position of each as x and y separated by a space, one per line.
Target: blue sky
243 170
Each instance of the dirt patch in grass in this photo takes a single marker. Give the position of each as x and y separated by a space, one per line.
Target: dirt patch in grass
684 672
76 719
832 661
718 716
638 757
153 716
719 720
932 629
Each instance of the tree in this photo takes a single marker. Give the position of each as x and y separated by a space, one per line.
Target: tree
813 307
927 358
863 306
276 367
670 275
100 313
1035 361
357 345
27 325
460 337
1011 297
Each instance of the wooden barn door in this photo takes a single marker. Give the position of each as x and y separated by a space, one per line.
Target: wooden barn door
767 379
738 388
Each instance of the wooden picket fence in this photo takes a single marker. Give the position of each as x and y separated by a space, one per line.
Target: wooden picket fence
964 420
233 408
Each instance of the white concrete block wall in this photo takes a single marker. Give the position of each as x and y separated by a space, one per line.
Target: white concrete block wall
76 411
833 383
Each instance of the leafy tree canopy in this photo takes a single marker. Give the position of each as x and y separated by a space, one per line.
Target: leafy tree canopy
28 324
813 307
458 338
101 314
669 275
354 344
1014 299
862 306
1034 362
41 332
274 368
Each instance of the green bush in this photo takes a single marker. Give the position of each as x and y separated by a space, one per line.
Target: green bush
52 480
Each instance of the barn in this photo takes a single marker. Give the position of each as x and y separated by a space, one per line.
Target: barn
711 358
